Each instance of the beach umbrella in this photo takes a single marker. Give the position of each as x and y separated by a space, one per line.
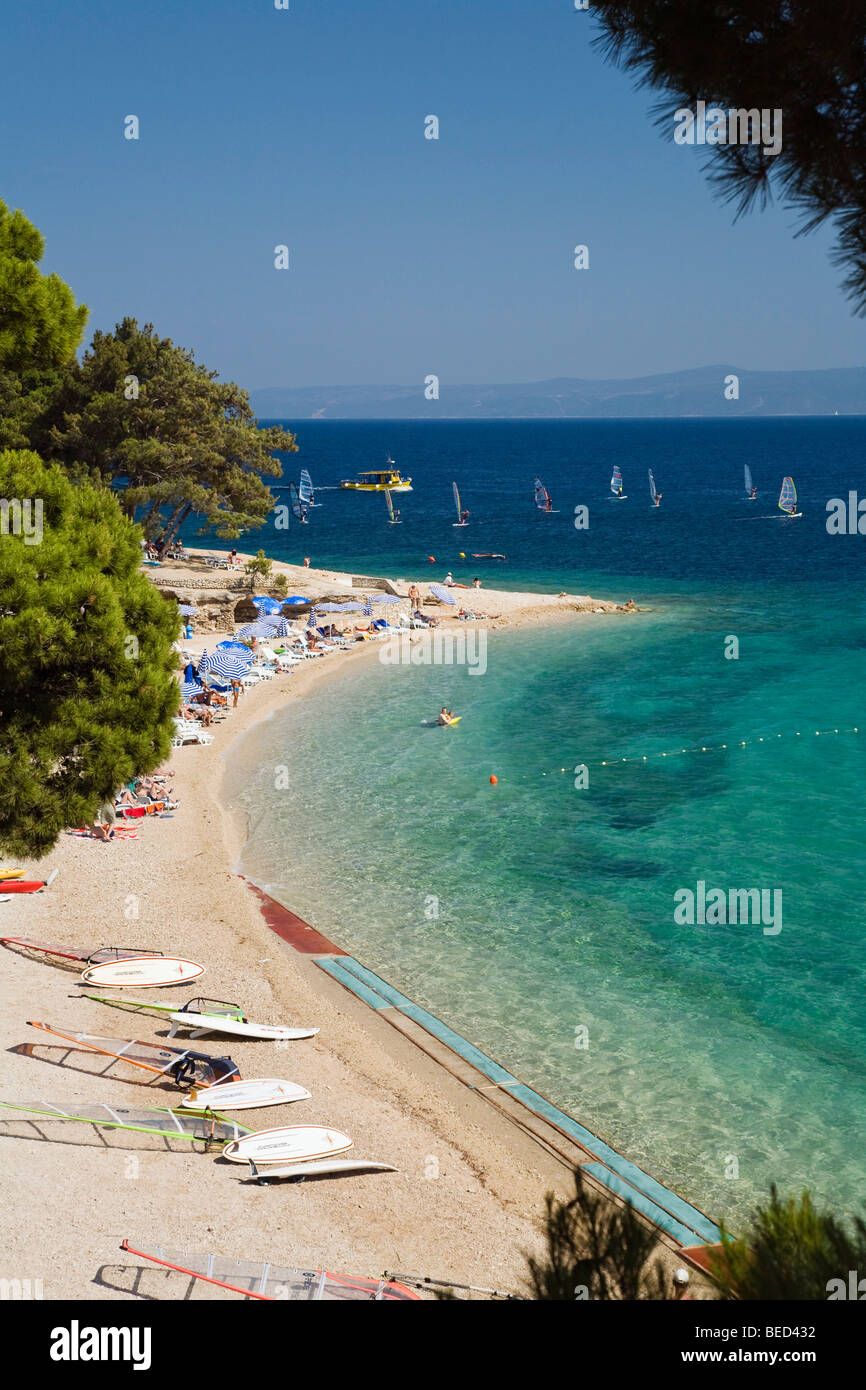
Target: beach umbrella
278 627
228 665
265 604
236 649
311 621
386 598
203 661
255 630
350 607
186 609
295 599
368 608
190 688
444 595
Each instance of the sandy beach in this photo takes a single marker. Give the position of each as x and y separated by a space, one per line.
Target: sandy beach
470 1184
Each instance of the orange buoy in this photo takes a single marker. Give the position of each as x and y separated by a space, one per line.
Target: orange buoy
493 780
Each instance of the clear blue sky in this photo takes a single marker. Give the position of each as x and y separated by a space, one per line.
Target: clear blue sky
408 256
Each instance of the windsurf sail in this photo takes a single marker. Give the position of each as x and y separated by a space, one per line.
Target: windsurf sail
217 1008
542 496
652 483
305 489
390 504
788 496
210 1128
262 1280
294 500
616 482
181 1065
102 953
747 474
456 492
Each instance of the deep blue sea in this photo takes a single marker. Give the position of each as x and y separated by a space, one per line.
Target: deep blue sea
535 916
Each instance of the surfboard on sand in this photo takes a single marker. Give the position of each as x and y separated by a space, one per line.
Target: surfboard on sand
320 1168
143 972
245 1095
290 1144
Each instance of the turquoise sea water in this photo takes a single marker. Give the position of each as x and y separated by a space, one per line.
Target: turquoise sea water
523 912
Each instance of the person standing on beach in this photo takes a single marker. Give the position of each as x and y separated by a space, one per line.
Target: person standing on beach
306 562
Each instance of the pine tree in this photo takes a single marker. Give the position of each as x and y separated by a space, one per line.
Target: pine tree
87 685
797 56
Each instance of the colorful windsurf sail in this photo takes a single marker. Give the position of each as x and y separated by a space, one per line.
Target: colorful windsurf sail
183 1066
261 1280
456 491
616 482
788 497
542 497
208 1129
295 502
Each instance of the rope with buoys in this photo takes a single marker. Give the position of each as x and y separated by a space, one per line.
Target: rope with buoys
711 748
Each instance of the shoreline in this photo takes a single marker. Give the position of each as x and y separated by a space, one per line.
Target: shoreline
469 1190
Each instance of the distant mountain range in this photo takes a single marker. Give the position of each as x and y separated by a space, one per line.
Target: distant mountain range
688 394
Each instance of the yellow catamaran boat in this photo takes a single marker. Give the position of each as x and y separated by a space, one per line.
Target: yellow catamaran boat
380 480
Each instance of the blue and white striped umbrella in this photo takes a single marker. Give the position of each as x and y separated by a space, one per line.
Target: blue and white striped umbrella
203 661
228 665
265 604
368 607
340 607
186 609
312 620
277 627
444 595
386 598
190 688
236 649
255 630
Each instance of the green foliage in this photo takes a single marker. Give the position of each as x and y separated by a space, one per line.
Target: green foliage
791 1252
87 688
140 411
595 1250
40 323
280 585
796 56
258 565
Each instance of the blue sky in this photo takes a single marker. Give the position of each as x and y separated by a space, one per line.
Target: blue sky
408 256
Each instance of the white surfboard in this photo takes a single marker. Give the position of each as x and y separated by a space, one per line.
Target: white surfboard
143 972
318 1168
291 1144
245 1095
200 1024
